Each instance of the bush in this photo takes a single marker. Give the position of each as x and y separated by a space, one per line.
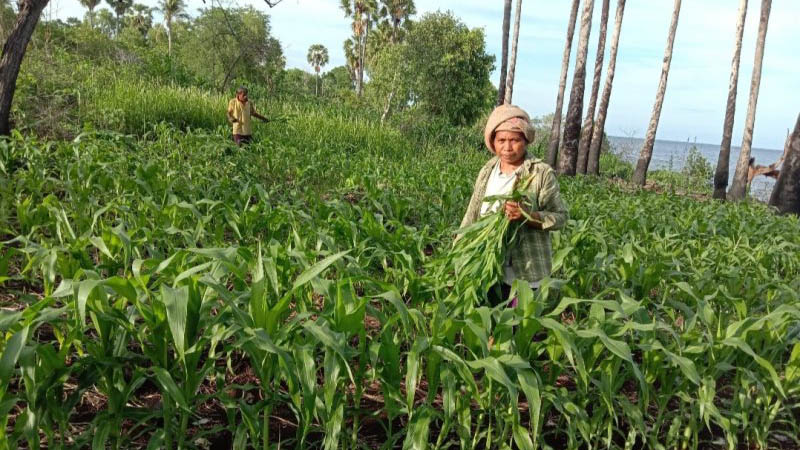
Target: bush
697 167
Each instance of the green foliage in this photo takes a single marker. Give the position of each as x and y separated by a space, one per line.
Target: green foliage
336 81
131 107
167 266
696 175
441 68
697 166
226 45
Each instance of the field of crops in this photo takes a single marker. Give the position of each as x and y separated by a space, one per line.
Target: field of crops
176 291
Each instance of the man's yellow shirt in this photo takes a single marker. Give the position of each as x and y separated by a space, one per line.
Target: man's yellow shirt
242 112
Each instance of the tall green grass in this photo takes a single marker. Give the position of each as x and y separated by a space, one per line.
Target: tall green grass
133 106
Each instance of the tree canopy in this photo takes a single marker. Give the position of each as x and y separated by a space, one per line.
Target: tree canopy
442 68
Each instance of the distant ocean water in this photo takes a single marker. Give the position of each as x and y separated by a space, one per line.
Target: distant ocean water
671 155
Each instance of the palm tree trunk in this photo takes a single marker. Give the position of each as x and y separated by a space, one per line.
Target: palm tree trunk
640 174
169 38
501 87
786 193
13 52
593 166
362 56
555 128
572 126
739 187
588 123
723 162
513 63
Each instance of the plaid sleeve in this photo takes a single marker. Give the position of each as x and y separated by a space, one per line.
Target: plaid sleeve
551 207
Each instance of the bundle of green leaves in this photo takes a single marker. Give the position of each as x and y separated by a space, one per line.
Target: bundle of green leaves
480 251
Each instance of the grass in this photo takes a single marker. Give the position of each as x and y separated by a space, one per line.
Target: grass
300 292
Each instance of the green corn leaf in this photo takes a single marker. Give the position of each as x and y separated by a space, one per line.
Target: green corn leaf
529 382
85 289
317 269
418 428
101 245
522 438
793 367
413 361
101 435
744 347
169 387
11 352
176 302
495 371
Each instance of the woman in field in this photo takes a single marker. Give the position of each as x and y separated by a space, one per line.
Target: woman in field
507 135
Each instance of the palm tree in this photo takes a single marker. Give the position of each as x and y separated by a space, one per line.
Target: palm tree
723 162
593 165
351 53
739 187
120 7
555 129
786 193
362 12
172 9
640 174
572 124
90 5
397 13
513 63
501 86
318 58
588 123
141 18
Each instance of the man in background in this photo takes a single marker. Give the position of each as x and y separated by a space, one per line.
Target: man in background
240 113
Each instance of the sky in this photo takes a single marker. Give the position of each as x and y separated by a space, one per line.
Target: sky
697 88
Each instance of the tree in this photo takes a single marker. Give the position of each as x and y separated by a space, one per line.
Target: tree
501 86
90 5
593 166
120 7
441 70
352 52
171 9
397 13
106 22
317 57
13 52
572 127
229 44
141 18
555 128
336 81
588 123
739 187
786 193
723 162
513 63
362 13
640 174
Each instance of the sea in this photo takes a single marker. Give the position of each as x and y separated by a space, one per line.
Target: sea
671 155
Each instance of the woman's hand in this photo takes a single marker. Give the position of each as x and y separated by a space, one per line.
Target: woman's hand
513 211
